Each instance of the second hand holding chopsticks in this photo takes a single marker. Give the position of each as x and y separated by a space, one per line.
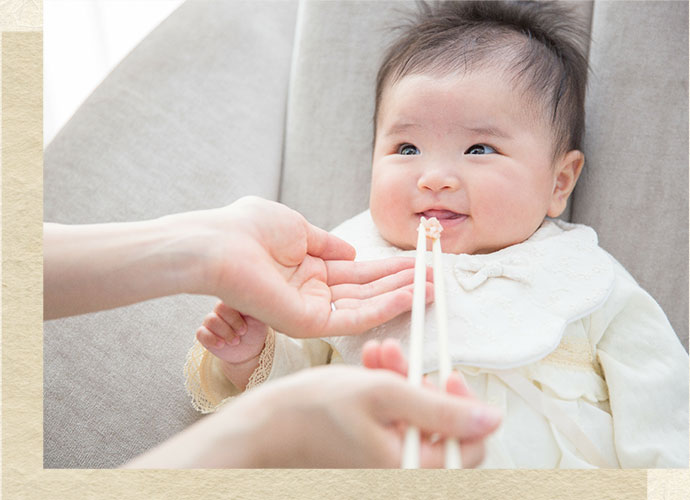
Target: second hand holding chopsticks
428 228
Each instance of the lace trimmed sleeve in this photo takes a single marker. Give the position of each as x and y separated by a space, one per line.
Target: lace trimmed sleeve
206 384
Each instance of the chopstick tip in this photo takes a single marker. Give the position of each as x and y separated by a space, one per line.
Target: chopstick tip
432 227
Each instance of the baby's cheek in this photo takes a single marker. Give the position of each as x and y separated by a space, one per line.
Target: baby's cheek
509 221
389 222
391 206
382 218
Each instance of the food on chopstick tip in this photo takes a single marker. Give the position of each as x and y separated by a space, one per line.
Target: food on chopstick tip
432 227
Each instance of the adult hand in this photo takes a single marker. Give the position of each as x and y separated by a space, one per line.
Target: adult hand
259 257
327 417
266 261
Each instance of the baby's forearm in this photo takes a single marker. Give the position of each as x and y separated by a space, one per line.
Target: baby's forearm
239 373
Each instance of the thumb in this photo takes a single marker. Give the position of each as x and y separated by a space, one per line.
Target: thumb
324 245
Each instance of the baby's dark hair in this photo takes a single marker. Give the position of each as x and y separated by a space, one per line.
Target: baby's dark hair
540 45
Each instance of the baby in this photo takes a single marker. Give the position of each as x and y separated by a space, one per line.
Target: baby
479 121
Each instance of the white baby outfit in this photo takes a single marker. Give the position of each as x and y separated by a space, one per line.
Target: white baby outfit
554 332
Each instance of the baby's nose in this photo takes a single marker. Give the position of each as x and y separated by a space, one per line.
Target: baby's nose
438 179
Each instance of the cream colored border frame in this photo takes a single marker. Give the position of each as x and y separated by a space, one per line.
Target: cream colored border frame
23 475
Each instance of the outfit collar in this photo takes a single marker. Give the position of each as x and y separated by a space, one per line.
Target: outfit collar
505 309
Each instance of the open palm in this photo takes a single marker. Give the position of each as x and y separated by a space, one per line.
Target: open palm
287 272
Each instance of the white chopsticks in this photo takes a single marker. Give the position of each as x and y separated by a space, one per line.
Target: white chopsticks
431 228
414 371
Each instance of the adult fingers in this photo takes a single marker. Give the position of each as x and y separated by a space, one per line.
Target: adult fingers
369 305
431 411
340 272
432 455
322 244
377 287
283 221
354 316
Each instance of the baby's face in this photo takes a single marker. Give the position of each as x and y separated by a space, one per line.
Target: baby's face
461 149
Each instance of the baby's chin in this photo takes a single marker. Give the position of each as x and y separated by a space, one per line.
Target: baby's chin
402 241
446 246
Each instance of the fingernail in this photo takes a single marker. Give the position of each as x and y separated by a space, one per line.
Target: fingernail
485 417
241 331
220 343
235 341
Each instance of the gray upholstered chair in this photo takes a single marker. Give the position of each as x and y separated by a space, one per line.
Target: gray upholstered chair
275 99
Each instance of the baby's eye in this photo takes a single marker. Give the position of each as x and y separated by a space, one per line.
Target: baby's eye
480 149
408 149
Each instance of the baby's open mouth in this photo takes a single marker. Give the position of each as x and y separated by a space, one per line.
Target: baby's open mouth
441 214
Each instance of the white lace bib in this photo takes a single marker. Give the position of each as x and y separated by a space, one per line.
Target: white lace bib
505 309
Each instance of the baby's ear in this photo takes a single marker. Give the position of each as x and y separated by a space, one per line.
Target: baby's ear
567 171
